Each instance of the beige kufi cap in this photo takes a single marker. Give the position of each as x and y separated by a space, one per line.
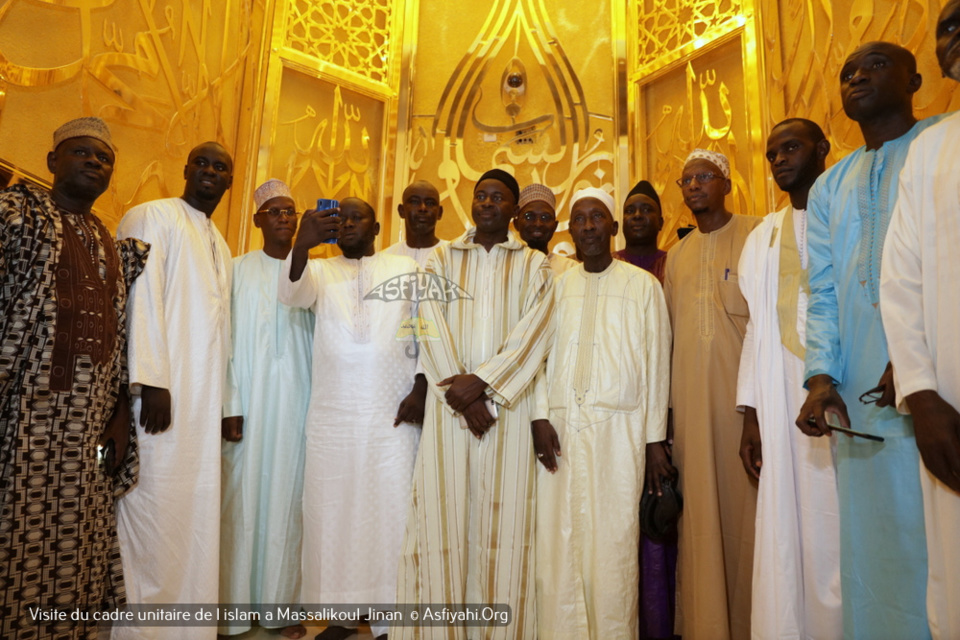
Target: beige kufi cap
83 128
271 189
534 192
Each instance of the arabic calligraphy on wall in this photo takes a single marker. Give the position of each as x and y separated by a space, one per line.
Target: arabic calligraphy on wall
164 75
523 93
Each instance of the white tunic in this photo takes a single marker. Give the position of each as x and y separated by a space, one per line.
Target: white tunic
356 486
607 386
178 320
420 256
269 385
920 304
796 562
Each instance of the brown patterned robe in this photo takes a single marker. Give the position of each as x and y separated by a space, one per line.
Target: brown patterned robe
63 292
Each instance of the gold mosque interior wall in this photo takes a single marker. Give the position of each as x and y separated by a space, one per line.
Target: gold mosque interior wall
164 75
720 74
526 85
361 97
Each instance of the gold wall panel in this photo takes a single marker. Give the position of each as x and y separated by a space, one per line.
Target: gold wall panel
813 38
695 85
352 34
700 103
164 75
329 103
559 127
669 25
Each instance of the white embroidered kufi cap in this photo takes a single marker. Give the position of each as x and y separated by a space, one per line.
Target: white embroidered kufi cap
270 189
594 192
715 157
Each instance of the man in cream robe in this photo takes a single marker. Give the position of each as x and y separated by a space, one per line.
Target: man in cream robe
605 392
918 298
179 336
356 486
268 388
470 532
796 562
709 317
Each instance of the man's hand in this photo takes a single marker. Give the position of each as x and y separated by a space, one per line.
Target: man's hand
317 227
154 409
658 467
889 397
464 389
823 397
546 444
118 430
750 451
412 407
232 428
937 426
478 418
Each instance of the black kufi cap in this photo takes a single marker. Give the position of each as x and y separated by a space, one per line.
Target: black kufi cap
502 176
645 188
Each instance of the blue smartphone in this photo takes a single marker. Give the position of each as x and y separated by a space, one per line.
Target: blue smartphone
324 204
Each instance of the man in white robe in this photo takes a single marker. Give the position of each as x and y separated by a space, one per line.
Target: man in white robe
179 338
268 389
536 222
359 454
796 561
603 398
420 211
919 304
470 532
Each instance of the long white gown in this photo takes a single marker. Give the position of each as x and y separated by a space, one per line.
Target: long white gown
178 323
356 485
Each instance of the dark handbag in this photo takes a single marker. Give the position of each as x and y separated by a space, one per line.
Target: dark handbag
659 514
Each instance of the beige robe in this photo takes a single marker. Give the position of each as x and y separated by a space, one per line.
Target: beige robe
709 317
470 529
605 391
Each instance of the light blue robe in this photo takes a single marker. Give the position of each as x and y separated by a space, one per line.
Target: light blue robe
883 558
262 482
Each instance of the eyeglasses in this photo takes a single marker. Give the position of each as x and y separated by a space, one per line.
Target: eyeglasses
701 178
274 212
872 396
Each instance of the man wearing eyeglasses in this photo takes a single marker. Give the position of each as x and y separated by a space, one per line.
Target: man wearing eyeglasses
881 506
268 389
709 317
918 300
536 222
